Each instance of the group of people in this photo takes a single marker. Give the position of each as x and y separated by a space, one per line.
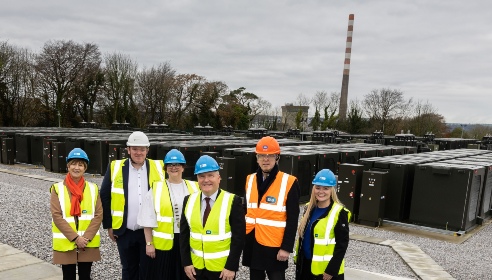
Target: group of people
166 227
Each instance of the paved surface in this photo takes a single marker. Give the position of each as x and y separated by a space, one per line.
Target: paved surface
16 264
421 264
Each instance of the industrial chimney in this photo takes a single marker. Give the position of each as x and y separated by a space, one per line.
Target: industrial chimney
346 70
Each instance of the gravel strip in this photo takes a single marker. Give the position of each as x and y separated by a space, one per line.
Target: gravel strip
26 225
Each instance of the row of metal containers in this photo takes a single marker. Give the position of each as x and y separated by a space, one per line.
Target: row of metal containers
37 145
302 161
450 190
301 158
50 148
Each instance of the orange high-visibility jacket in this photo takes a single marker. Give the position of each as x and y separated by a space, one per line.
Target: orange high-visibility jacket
270 216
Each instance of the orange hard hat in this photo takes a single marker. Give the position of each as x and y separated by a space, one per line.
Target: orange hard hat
267 145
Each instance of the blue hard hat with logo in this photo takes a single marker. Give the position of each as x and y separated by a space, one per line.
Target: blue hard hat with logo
325 178
174 156
77 153
206 164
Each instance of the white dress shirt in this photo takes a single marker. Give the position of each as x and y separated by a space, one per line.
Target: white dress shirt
213 197
137 189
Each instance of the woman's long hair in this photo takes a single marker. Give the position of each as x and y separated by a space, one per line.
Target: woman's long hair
310 206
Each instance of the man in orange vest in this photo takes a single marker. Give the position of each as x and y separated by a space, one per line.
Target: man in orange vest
272 204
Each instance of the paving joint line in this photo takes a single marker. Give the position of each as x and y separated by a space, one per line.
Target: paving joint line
418 261
39 177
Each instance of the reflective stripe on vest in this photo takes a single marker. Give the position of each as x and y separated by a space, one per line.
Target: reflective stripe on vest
87 207
269 217
163 234
192 186
117 192
324 241
210 245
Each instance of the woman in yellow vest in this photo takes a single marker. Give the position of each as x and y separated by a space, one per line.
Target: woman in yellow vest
323 231
160 217
77 211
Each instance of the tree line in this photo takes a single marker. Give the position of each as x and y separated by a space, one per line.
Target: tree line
387 110
69 82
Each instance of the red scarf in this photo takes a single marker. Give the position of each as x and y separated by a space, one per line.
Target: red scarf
77 191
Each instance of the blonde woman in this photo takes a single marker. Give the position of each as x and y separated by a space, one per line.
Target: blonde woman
323 232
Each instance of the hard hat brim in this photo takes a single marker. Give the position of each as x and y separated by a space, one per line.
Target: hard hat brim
137 145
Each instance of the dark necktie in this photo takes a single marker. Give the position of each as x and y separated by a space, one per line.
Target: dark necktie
207 210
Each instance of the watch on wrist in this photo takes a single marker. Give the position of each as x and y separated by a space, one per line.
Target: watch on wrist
149 243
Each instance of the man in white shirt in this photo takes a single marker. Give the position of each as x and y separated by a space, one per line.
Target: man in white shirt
123 189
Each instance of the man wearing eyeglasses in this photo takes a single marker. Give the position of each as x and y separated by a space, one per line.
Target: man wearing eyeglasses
272 204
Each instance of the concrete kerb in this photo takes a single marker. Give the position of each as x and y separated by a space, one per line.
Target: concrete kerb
420 263
16 264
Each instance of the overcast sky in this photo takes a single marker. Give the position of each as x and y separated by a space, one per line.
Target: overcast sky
432 50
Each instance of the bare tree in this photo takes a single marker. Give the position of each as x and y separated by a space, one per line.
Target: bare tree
7 83
478 131
17 85
302 100
259 107
386 107
120 74
320 99
60 66
426 119
184 91
89 90
154 90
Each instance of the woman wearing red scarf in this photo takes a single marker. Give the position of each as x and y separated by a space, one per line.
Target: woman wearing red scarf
76 210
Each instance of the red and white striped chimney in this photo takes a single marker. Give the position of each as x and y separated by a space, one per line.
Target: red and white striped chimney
346 70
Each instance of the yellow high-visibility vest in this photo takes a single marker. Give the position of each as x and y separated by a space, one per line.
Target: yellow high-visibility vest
324 241
163 234
87 207
156 173
210 244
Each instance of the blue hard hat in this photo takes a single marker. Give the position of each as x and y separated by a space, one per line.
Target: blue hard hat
174 156
206 164
325 178
77 153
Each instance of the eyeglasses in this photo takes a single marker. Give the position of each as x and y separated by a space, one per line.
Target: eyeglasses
266 156
173 164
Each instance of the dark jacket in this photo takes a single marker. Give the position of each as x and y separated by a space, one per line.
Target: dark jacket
106 196
261 257
238 230
341 238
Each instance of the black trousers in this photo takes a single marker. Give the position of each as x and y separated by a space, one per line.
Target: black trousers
131 247
306 272
255 274
70 271
204 274
166 264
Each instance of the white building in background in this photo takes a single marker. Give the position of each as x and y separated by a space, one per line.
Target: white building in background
289 114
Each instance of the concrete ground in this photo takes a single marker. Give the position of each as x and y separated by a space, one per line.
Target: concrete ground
16 264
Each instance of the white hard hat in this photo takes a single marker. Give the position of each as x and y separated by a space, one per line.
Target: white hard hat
138 139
